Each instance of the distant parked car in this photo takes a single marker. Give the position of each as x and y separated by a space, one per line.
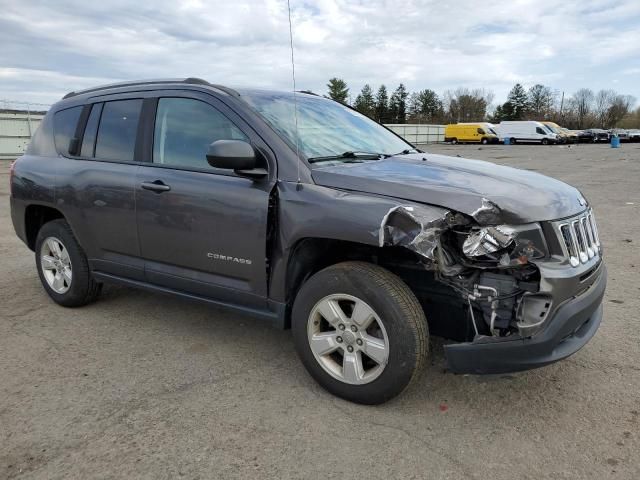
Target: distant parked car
469 133
634 135
526 132
622 134
593 135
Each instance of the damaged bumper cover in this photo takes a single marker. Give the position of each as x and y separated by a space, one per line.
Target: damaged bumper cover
573 324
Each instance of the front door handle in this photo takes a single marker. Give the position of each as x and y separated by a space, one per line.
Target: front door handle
157 186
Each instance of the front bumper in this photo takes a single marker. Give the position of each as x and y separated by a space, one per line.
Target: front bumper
574 323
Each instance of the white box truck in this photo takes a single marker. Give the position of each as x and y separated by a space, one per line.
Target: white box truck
525 131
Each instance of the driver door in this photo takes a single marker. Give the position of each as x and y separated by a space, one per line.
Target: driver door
202 230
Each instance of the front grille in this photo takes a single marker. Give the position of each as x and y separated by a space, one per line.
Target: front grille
579 237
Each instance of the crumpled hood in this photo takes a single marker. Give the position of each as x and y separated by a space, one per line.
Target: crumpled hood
488 192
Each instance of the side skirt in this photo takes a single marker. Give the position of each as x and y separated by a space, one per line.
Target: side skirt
275 314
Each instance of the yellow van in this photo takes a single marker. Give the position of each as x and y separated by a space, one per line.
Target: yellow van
470 133
565 135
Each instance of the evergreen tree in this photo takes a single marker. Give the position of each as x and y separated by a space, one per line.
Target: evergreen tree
365 103
398 105
382 105
517 104
338 90
430 105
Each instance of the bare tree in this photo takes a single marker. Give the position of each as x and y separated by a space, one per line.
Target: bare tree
603 101
465 105
620 107
583 101
541 101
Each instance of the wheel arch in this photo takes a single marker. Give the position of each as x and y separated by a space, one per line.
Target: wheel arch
35 216
311 254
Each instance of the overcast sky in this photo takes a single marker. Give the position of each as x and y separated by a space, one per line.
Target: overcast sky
49 48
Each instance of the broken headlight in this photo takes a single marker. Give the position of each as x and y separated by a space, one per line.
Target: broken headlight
508 245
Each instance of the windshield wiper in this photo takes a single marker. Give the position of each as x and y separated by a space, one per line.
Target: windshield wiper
404 152
348 155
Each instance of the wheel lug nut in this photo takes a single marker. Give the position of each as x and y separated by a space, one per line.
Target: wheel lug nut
341 326
350 349
359 341
339 339
354 328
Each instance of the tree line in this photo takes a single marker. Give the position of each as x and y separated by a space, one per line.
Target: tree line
583 109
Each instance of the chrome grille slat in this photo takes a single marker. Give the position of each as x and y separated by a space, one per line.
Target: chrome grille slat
587 236
579 237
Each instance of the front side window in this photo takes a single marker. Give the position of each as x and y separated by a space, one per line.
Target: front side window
185 128
540 131
118 129
325 128
481 131
64 128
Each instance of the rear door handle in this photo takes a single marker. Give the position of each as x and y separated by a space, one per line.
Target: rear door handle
157 186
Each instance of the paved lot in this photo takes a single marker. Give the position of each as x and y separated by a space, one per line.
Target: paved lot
145 386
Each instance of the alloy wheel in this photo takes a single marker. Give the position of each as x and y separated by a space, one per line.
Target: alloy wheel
348 339
56 265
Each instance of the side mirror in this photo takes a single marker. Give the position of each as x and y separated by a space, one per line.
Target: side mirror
232 155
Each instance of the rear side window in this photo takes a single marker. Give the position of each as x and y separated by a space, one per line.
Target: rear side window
64 128
118 128
184 130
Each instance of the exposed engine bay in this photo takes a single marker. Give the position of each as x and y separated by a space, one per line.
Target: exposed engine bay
490 268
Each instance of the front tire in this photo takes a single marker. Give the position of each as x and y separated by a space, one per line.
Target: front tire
512 141
63 267
360 332
484 141
545 141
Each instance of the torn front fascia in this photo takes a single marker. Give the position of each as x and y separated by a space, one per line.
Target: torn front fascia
417 227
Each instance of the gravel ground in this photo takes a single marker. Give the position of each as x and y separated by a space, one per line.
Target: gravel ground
145 386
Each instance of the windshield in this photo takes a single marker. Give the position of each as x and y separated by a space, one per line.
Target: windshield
550 128
493 131
325 127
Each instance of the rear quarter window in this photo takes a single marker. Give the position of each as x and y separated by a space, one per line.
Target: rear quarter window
64 128
118 130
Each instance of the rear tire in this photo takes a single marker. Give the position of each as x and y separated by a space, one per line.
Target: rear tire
63 267
454 141
330 334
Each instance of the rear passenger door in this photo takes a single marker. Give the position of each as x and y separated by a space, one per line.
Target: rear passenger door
202 229
96 185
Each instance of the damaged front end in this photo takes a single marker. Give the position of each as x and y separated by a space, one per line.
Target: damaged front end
491 268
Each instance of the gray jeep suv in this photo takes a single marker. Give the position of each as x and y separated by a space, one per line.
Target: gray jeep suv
301 211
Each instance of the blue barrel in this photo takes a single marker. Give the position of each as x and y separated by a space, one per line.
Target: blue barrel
507 141
615 141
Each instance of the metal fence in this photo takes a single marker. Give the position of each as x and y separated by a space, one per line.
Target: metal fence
418 134
18 122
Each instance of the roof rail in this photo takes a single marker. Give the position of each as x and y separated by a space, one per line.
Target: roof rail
190 80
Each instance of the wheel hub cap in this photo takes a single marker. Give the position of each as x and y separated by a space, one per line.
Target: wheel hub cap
349 338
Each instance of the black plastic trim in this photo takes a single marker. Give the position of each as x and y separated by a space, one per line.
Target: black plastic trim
570 329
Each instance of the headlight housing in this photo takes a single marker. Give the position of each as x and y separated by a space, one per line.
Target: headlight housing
508 245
